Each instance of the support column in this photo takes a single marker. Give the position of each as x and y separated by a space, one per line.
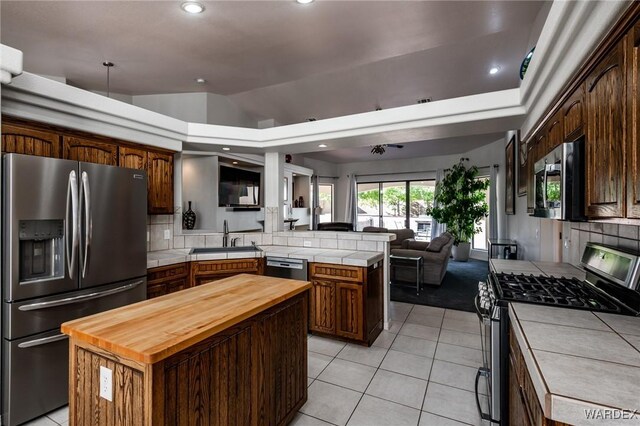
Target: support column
273 191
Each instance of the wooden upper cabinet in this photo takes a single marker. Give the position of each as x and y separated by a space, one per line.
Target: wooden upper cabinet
23 140
633 121
573 115
555 132
605 143
531 153
132 158
91 151
160 182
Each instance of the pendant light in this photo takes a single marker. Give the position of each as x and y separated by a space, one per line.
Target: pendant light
108 64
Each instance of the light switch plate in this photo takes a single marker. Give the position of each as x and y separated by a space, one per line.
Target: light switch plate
106 383
167 234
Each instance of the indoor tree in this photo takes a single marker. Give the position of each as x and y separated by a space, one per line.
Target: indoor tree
460 204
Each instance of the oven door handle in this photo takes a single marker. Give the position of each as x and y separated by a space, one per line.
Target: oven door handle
482 372
476 303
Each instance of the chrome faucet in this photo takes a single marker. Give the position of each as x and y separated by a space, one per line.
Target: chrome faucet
233 241
225 238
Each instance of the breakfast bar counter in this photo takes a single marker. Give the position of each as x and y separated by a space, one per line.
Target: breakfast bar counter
233 351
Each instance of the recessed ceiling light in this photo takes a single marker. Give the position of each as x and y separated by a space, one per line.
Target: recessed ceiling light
192 7
494 70
304 1
235 162
322 145
200 80
226 148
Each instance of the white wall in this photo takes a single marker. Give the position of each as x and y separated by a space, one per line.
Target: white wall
190 107
221 110
200 186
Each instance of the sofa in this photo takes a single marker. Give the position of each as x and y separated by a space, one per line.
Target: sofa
335 226
436 256
401 234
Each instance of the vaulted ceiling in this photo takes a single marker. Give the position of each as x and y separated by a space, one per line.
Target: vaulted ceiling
279 59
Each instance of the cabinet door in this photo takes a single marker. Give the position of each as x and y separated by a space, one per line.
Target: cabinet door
156 290
555 132
160 183
132 158
349 306
531 153
518 414
573 115
323 306
177 285
633 120
22 140
606 133
91 151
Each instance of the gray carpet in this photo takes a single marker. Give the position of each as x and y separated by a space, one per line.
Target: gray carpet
458 289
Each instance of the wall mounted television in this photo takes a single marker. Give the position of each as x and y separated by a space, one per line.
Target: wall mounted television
238 187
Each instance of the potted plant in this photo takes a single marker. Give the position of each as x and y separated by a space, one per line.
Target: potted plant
459 203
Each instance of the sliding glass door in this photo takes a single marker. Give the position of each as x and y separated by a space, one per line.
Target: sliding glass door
421 199
368 205
396 205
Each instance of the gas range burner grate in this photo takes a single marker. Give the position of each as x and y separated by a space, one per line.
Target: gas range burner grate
567 292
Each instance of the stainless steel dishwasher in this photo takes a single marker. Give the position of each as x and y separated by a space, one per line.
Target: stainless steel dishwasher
284 267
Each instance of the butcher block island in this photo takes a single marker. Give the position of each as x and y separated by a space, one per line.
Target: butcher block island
229 352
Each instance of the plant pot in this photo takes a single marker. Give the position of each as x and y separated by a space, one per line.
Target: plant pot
461 252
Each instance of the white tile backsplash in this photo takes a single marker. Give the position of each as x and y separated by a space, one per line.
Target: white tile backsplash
158 224
613 234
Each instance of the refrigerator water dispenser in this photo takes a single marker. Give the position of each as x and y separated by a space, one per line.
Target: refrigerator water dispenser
41 250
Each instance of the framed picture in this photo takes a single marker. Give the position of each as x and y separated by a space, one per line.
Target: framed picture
510 195
522 166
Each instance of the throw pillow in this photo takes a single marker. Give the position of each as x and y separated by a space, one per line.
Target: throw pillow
437 243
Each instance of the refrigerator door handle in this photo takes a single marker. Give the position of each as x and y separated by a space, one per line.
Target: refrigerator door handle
78 299
43 341
72 205
86 191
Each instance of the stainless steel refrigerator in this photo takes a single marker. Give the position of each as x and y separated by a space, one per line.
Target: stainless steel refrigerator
74 244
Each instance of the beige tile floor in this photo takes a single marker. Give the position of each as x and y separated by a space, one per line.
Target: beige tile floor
420 373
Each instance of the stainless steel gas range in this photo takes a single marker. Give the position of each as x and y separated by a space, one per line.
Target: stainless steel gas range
611 285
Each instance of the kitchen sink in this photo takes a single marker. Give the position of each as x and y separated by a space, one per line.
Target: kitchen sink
206 250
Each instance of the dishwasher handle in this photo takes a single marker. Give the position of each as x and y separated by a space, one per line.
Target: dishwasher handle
285 263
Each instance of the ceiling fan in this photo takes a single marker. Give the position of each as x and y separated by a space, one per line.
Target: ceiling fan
380 149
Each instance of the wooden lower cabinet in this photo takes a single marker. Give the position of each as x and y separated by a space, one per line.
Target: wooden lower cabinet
206 271
524 407
346 301
167 279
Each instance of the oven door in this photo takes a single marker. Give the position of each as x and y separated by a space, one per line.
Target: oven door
493 372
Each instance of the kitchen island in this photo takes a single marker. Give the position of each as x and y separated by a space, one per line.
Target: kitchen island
229 352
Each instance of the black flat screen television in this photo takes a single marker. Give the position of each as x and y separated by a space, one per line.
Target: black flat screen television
238 187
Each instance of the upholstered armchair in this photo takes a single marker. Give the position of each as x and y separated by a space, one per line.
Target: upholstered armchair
436 256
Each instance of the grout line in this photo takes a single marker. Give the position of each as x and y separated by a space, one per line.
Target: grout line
424 397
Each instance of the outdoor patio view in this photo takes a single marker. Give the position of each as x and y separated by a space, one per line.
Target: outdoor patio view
396 205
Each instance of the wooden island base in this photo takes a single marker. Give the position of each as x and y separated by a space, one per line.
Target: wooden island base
251 373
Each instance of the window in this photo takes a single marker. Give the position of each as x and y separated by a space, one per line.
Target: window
479 241
325 198
396 205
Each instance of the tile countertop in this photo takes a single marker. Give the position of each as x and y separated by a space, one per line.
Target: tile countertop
579 361
340 257
550 269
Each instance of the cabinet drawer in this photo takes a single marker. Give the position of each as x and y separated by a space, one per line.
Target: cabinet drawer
337 272
164 273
